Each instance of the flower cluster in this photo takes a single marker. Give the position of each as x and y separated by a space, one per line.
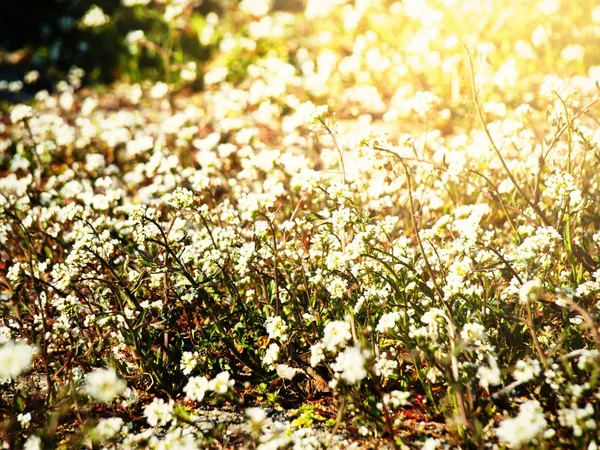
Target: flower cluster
423 241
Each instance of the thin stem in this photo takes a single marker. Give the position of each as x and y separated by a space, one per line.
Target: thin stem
536 208
532 331
337 147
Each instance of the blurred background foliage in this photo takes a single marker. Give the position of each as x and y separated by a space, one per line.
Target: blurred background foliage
46 36
395 45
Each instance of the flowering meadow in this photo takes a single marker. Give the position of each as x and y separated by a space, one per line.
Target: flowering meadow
379 219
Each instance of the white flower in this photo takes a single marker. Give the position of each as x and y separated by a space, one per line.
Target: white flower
528 424
271 356
473 333
526 370
316 354
215 75
431 444
320 8
31 76
257 8
396 398
256 415
188 363
317 115
159 413
196 388
286 372
20 112
572 52
276 328
387 322
180 198
33 443
94 17
336 335
103 385
549 7
107 429
489 376
15 358
433 374
24 419
351 364
159 90
530 290
221 383
384 366
189 72
134 37
423 102
553 87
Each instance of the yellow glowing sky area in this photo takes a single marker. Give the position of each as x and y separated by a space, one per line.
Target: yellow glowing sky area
375 59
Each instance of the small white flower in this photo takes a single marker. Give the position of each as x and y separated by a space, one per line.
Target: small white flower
103 385
188 363
387 322
256 8
351 364
134 37
489 376
286 372
316 354
271 356
180 198
521 430
423 102
317 115
336 335
107 429
473 333
396 398
276 328
384 366
159 413
94 18
196 388
530 291
24 419
135 2
33 443
15 358
159 90
221 383
526 370
215 75
256 415
31 76
189 72
431 444
20 112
